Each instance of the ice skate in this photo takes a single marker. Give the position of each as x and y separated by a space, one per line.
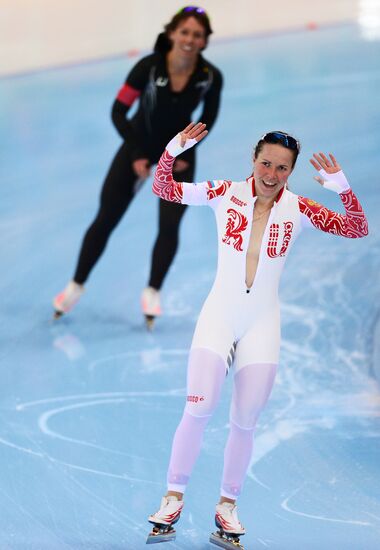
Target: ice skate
164 519
66 300
150 305
229 527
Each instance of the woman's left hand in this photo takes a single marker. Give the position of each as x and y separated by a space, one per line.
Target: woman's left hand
321 162
331 175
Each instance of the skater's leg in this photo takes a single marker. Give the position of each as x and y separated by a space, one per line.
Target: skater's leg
165 247
206 373
164 250
116 195
252 387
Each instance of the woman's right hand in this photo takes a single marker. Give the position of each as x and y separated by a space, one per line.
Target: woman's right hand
141 168
193 131
190 136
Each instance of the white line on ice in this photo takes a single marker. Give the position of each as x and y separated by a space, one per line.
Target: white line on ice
45 417
173 392
285 506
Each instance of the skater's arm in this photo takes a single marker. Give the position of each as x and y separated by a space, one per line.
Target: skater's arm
211 101
164 185
354 223
126 97
120 110
125 130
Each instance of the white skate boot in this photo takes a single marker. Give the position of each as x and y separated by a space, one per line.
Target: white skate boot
230 528
150 305
163 520
66 300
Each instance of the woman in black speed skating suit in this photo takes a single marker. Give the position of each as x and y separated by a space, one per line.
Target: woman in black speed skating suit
169 85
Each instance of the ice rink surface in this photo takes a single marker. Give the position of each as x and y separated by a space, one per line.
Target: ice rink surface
89 404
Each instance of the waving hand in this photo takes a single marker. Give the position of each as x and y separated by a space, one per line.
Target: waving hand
331 175
192 134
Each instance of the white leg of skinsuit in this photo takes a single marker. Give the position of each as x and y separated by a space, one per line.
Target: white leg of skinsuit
205 376
252 387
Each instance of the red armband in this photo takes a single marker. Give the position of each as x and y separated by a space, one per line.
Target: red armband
127 95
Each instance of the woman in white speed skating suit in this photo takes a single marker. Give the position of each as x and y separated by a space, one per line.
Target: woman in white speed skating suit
258 221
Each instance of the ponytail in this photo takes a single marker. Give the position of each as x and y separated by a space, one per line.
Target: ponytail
162 44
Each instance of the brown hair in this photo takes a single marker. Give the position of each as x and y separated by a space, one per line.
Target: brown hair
281 138
163 43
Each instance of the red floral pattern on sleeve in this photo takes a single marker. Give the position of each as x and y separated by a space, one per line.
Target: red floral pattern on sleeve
218 191
352 225
164 185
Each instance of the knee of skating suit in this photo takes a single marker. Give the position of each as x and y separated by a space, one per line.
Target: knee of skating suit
252 387
205 376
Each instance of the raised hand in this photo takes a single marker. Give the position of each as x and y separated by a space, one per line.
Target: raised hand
195 131
190 136
331 175
321 162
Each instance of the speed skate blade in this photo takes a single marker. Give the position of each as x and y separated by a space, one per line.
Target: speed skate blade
154 538
149 321
57 314
222 542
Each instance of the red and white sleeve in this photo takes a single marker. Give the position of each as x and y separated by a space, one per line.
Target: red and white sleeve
164 185
352 225
167 188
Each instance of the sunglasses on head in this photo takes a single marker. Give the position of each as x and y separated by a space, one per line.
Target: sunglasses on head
194 9
281 137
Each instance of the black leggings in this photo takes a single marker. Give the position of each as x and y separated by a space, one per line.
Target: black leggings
118 191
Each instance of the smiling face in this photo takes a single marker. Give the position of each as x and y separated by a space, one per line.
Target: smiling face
272 167
188 38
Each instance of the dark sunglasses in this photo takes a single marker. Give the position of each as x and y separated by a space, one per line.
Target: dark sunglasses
280 137
193 9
